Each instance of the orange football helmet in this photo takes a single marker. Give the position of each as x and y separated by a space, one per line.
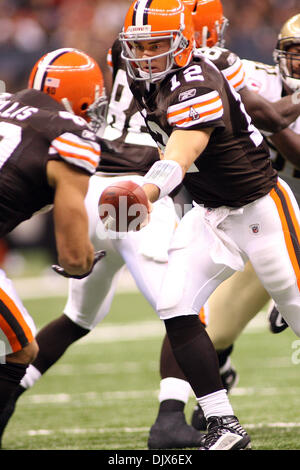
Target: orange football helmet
209 22
73 78
289 62
157 19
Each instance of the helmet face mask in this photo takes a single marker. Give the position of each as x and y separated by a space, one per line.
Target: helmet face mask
163 22
70 77
209 22
287 53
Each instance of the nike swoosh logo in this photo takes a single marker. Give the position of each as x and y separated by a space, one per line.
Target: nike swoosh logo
279 321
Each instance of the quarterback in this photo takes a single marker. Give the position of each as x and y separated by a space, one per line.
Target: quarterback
242 210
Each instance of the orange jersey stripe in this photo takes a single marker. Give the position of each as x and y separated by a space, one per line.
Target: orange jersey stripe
80 146
207 113
233 74
202 316
196 105
18 316
10 334
287 234
241 81
74 155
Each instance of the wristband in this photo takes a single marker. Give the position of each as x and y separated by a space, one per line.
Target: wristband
166 175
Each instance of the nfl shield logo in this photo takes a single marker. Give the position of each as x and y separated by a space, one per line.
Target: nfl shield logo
255 228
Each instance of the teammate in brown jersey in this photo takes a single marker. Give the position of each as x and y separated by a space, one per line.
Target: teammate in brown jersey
47 155
202 127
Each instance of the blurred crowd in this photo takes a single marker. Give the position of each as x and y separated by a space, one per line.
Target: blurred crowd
30 28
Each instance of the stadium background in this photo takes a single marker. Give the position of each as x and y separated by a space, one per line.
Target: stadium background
96 413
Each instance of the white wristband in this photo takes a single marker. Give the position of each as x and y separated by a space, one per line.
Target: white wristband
166 175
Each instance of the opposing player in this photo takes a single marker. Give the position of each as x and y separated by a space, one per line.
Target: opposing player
208 141
47 158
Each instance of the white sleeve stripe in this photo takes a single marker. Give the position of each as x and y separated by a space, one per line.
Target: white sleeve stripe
84 154
75 148
82 163
213 95
194 111
70 143
235 75
73 139
191 122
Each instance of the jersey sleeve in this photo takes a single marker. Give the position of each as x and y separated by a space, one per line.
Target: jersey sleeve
235 74
228 63
205 109
70 137
77 151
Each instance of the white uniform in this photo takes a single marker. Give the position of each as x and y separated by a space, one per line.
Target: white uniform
266 80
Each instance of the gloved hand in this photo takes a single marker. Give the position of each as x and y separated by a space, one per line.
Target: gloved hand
59 270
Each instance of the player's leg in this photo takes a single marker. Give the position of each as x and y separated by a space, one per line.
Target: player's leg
146 256
233 304
277 261
190 279
17 344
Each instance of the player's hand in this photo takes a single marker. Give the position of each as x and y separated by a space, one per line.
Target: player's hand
59 270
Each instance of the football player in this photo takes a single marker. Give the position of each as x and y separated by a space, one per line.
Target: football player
241 296
208 142
47 157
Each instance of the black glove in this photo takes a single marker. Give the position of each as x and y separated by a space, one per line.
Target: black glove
59 270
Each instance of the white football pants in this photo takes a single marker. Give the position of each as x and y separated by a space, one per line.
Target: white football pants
145 253
209 245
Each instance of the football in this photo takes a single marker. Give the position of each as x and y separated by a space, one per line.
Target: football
123 206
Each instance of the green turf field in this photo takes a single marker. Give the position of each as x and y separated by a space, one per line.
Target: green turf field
103 393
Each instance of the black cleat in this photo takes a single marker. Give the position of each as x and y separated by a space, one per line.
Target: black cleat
229 379
171 431
225 433
277 324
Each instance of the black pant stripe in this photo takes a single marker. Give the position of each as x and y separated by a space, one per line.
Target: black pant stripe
13 323
290 223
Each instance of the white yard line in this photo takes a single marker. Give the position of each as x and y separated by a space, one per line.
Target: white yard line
47 432
61 398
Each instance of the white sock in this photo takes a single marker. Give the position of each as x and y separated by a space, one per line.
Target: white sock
216 404
174 389
32 375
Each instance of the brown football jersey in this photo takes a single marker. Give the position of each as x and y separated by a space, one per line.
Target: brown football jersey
235 168
33 130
